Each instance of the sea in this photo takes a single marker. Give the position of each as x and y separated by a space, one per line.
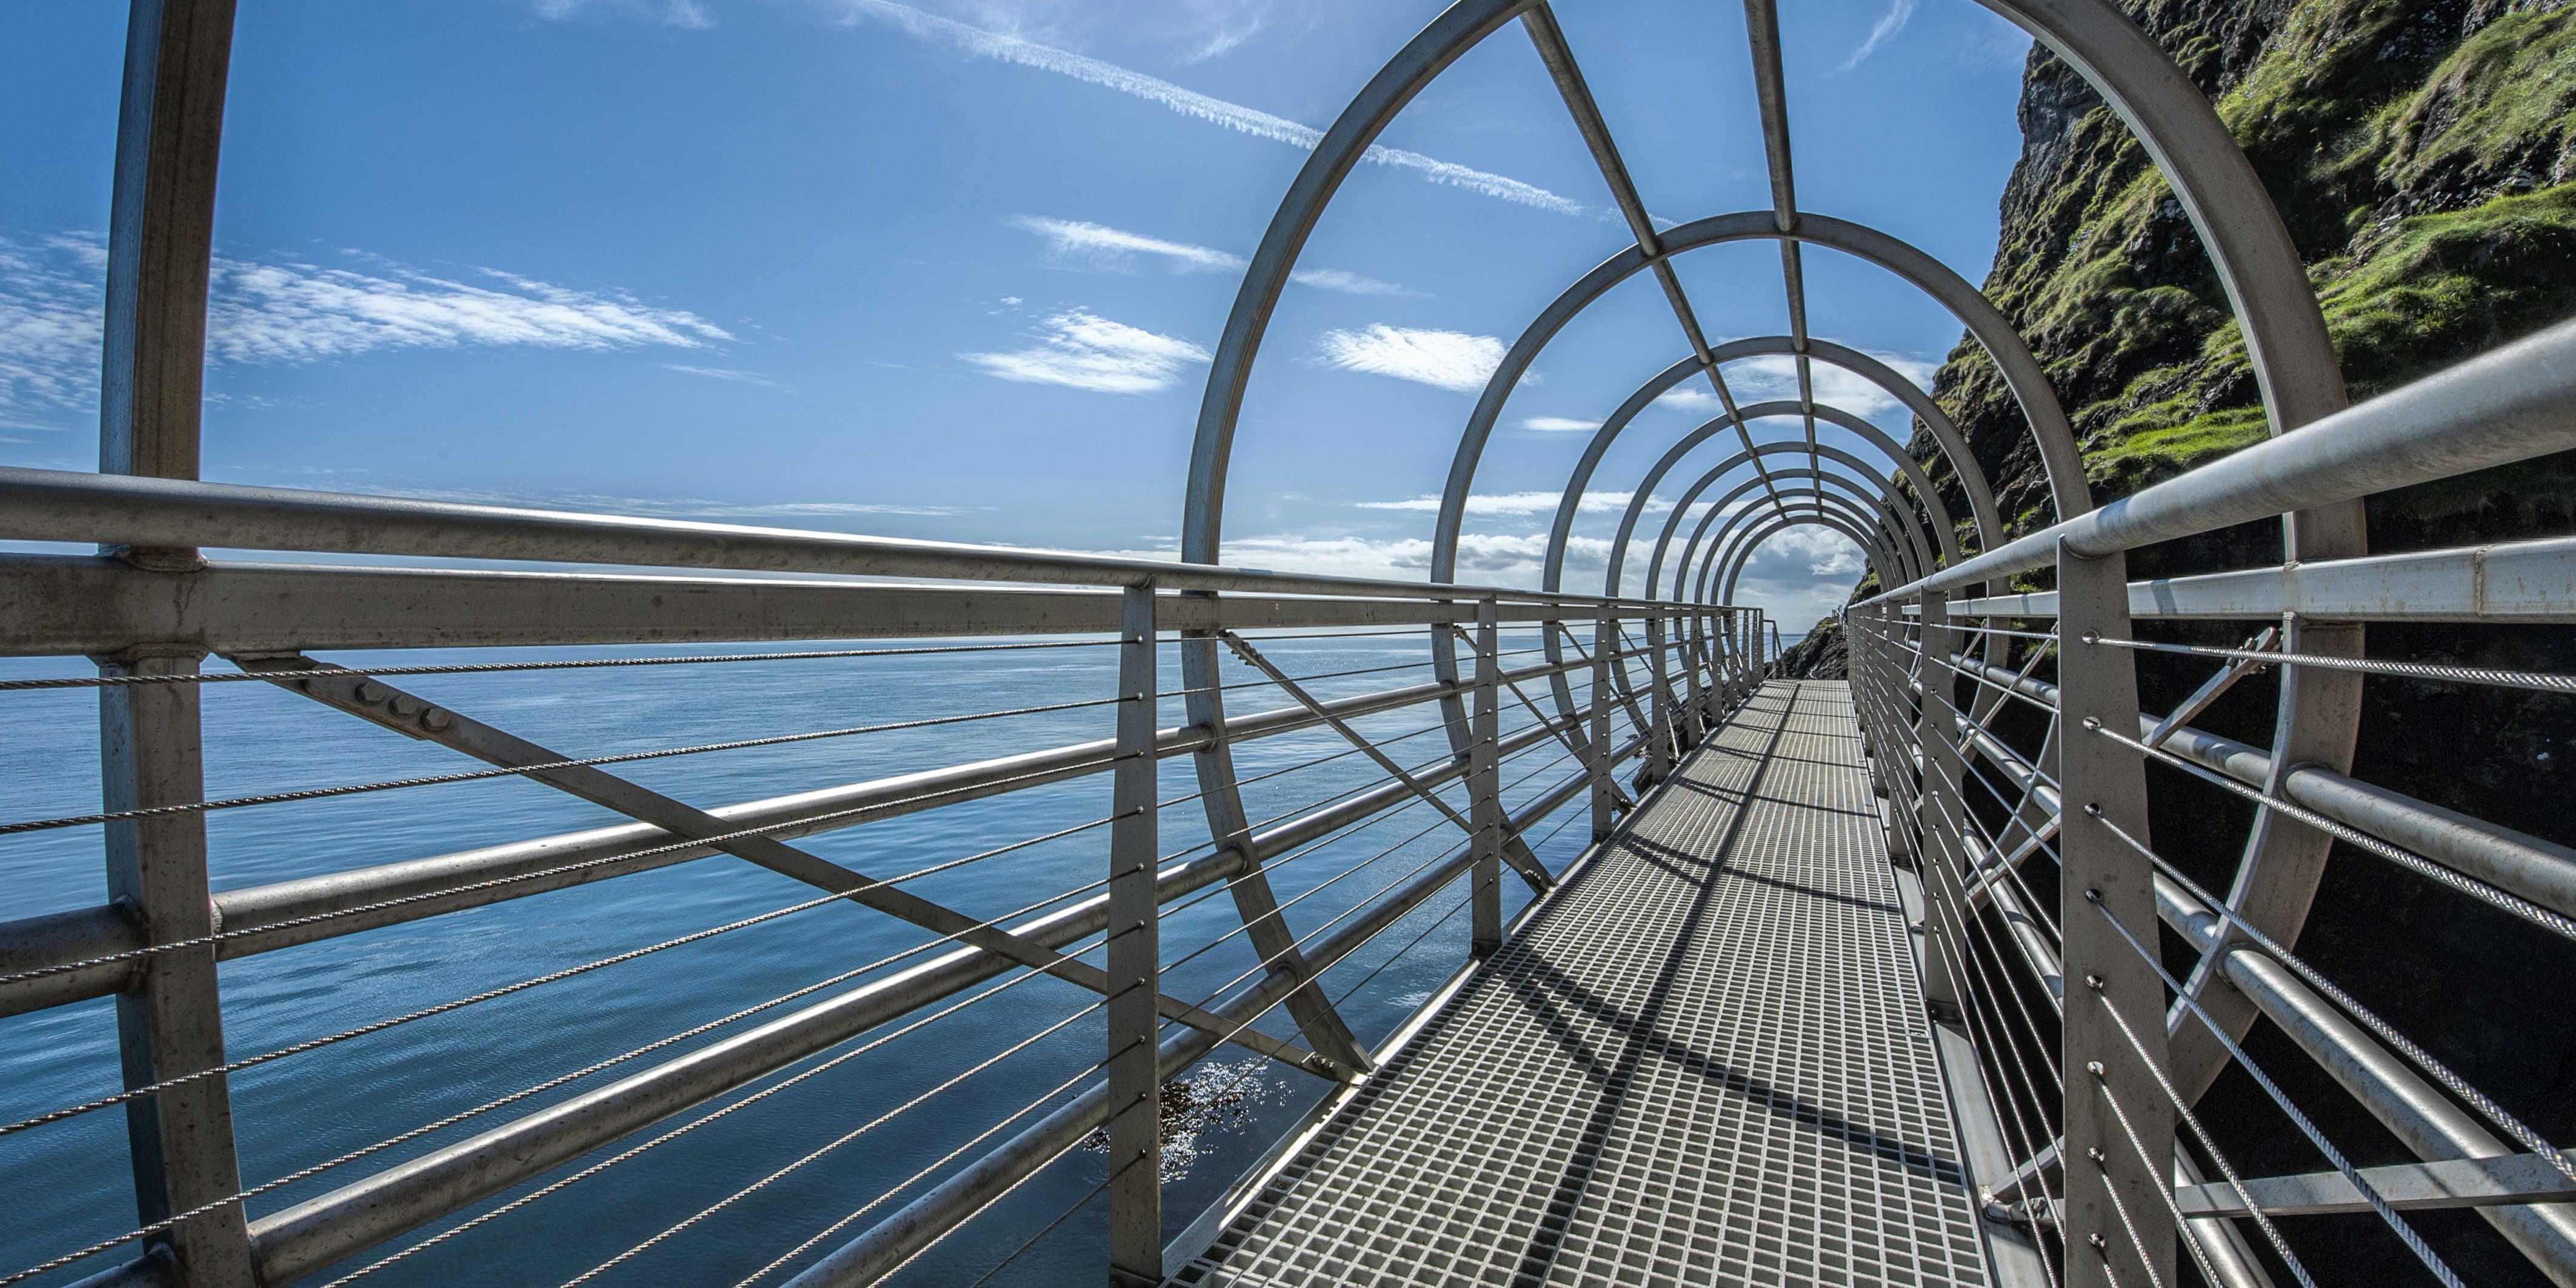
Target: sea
67 1182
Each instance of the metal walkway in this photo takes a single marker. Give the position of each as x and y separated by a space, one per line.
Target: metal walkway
1705 1060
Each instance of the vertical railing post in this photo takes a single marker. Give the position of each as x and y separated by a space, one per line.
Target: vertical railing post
1660 751
1941 811
1134 964
1485 784
1687 653
2104 782
178 56
1605 794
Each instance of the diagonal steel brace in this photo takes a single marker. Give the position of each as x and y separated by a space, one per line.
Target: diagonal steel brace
1515 851
381 704
1567 732
1618 688
2216 685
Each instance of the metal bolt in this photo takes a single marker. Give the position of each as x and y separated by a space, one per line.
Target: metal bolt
2097 1240
2093 1067
436 720
2093 982
2095 1155
370 692
407 706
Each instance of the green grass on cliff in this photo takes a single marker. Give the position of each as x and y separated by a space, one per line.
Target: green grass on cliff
2433 189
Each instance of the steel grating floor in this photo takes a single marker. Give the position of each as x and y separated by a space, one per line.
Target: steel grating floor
1704 1061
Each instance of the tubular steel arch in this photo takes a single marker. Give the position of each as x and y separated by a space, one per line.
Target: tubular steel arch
1944 533
2251 254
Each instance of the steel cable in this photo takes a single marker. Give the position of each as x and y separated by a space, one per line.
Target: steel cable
550 977
542 1087
2405 1232
488 668
716 840
2208 1143
835 1143
2535 681
514 771
754 1098
2422 1059
2554 922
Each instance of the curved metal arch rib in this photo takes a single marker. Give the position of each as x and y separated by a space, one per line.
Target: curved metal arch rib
1774 524
1880 506
2054 437
1906 466
2250 251
1954 447
1736 525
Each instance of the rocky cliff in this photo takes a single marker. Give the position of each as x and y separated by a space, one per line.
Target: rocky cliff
2423 155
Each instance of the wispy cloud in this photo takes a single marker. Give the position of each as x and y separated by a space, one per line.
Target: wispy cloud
1559 424
1884 30
291 310
1514 504
677 13
977 42
724 373
1445 359
1775 376
1083 350
667 507
1101 246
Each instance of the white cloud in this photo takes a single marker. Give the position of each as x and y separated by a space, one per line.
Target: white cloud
1451 360
1334 279
1083 350
1516 503
287 310
979 43
1775 376
677 13
1559 424
1889 23
661 507
1102 246
1827 553
724 373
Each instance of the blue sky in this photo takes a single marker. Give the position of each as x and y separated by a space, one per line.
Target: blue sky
951 269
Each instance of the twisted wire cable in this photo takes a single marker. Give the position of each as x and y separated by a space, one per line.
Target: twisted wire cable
516 771
2156 1173
2554 922
603 1165
2536 681
506 990
446 892
2455 1084
2406 1233
2208 1143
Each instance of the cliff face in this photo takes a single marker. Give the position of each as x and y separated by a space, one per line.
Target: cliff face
2422 152
2423 156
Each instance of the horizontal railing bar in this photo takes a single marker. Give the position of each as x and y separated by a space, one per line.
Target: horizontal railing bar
310 1235
2461 1182
2517 581
931 1216
51 941
2510 404
2542 871
75 606
132 510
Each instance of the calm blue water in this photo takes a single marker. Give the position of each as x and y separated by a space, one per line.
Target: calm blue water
67 1182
